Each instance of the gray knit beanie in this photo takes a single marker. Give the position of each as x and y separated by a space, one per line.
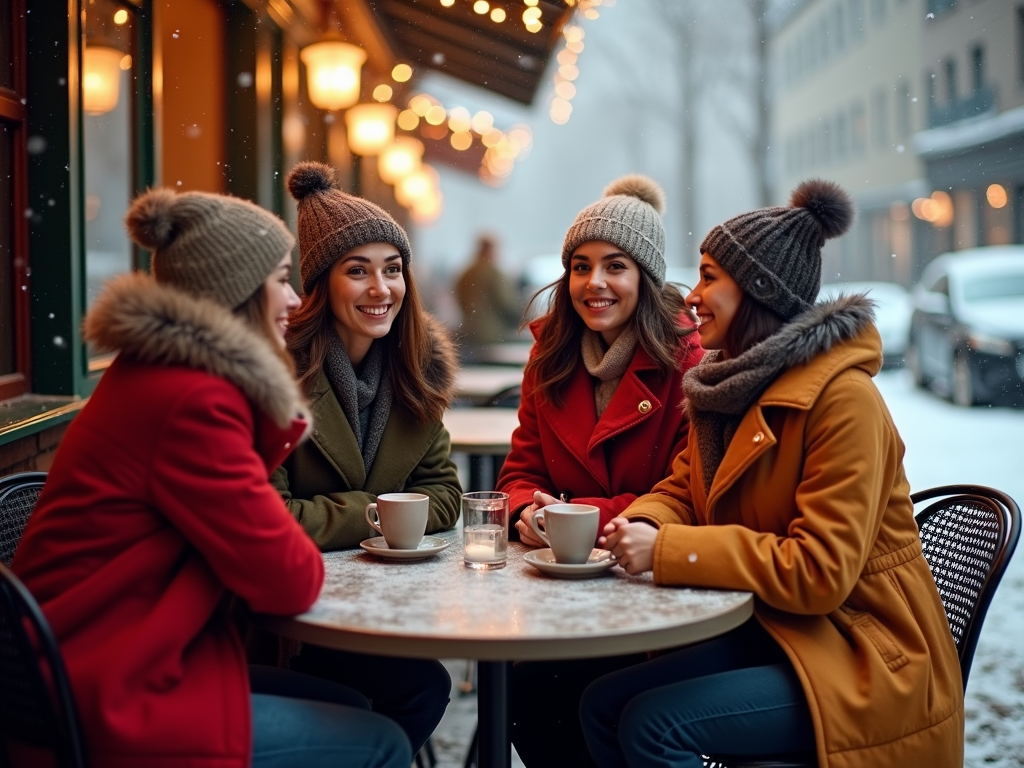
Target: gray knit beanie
774 254
220 247
332 223
628 216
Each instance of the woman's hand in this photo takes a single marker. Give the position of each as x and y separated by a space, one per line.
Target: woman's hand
632 544
526 533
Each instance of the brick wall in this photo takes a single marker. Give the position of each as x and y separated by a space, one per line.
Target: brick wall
34 452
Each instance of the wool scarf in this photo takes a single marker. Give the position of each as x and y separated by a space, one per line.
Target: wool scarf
365 397
719 392
607 365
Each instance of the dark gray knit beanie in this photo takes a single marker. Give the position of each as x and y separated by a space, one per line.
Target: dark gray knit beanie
216 246
332 223
628 216
774 254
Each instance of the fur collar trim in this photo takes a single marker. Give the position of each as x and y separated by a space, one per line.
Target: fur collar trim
160 325
443 365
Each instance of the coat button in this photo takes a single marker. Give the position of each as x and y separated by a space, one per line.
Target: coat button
759 437
644 407
287 446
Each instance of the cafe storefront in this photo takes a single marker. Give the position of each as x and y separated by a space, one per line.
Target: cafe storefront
114 96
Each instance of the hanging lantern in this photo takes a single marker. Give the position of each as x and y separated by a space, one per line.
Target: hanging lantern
371 127
332 73
399 159
101 78
417 186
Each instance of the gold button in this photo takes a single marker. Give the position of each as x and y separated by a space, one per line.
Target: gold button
644 407
759 437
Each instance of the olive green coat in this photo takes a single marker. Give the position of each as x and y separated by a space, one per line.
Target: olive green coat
326 487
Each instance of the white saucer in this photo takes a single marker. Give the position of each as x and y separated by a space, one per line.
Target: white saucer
429 546
544 560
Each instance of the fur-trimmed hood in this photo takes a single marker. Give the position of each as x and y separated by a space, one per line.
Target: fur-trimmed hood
444 360
156 324
824 325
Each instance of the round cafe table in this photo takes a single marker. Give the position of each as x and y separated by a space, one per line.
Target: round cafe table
438 608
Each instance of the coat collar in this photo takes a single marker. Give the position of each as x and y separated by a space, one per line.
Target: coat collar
156 324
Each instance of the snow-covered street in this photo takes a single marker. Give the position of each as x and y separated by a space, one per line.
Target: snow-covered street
985 446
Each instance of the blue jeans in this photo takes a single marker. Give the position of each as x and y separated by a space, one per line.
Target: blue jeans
736 694
300 721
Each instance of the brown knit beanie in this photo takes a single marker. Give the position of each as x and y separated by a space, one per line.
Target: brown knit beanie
332 223
216 246
628 216
775 253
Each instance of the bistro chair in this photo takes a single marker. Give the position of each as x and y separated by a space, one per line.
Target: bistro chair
36 705
18 496
968 537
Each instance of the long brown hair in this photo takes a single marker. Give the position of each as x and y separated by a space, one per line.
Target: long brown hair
408 348
557 354
254 312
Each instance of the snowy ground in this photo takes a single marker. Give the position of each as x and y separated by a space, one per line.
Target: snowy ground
945 445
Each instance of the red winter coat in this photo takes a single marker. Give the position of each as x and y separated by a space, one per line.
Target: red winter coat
157 507
606 462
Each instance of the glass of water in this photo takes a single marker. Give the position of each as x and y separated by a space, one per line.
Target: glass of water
485 530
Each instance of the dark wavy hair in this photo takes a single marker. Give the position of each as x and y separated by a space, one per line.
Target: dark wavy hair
557 354
752 324
408 348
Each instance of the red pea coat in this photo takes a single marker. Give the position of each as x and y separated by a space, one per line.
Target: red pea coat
606 461
158 506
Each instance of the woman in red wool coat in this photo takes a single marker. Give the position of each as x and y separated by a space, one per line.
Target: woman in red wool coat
600 419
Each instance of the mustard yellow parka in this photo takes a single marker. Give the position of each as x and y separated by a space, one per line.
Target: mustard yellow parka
810 510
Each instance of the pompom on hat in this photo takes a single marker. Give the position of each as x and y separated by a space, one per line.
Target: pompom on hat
628 216
774 254
216 246
332 222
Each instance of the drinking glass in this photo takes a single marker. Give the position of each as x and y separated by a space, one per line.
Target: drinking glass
485 530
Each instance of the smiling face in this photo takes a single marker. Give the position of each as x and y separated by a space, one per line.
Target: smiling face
715 299
604 285
366 287
281 299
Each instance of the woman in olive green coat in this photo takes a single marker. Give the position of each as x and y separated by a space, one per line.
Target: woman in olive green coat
379 373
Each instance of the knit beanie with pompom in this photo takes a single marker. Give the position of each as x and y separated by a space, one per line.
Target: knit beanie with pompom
219 247
332 223
774 254
628 216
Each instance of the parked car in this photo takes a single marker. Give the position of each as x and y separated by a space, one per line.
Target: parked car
893 307
967 330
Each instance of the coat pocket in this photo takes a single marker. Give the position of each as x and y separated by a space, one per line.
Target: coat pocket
857 622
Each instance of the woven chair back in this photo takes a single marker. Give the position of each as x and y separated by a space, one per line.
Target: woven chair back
18 496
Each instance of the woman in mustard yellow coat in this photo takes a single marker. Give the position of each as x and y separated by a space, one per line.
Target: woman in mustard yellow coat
792 487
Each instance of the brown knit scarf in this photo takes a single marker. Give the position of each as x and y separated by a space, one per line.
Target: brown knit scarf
608 365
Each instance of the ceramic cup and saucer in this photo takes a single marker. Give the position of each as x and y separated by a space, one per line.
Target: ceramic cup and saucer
401 519
543 560
569 530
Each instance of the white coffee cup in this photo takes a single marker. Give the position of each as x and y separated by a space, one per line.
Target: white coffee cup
569 529
401 518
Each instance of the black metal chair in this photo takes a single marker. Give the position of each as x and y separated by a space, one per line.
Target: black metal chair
18 496
36 705
968 537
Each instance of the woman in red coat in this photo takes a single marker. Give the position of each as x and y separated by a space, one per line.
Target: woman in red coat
159 507
600 419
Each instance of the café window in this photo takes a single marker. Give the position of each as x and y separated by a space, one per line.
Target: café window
108 68
14 268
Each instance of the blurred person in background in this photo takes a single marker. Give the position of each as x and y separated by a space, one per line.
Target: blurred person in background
488 299
159 505
379 373
791 487
600 419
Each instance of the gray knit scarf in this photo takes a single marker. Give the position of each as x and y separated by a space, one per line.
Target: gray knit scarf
719 392
365 398
609 365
